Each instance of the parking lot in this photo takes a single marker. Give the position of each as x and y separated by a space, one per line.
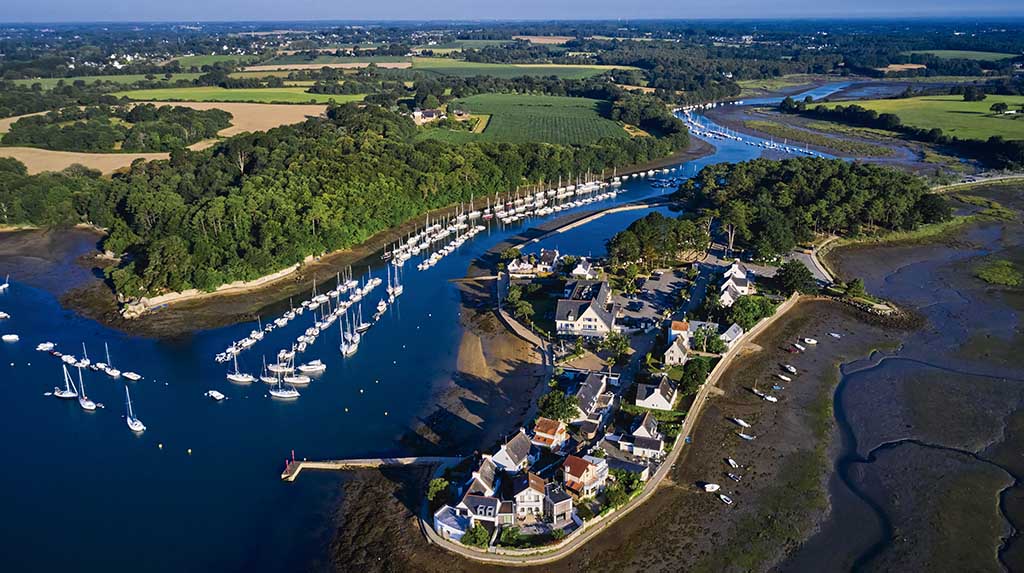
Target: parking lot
657 294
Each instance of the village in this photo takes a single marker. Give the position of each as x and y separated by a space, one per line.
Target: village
631 352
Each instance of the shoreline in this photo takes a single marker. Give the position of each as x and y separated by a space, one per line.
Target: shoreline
212 310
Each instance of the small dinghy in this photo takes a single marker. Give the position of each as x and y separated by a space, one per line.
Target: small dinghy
734 477
741 423
835 335
784 378
746 437
810 341
283 393
10 338
799 346
789 368
711 487
732 463
725 499
217 396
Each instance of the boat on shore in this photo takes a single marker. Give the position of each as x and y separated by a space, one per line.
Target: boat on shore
747 437
711 487
725 499
741 423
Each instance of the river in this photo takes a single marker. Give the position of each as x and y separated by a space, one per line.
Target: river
199 490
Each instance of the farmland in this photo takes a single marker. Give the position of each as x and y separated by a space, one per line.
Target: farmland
258 95
124 79
450 67
964 55
289 59
963 119
187 62
525 118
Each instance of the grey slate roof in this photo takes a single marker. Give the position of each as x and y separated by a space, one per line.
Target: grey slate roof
481 506
589 391
647 422
518 448
487 473
555 493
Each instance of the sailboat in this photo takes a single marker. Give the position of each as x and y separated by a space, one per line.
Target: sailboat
239 377
83 400
6 284
280 391
84 362
362 326
134 423
69 391
349 338
265 376
110 370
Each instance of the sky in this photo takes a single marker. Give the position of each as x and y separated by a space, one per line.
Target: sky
250 10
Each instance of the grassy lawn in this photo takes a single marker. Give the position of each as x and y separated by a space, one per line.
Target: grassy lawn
521 118
965 119
210 59
964 55
450 67
793 134
124 79
259 95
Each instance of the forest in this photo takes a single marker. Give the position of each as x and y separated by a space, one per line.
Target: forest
657 239
771 206
259 202
136 128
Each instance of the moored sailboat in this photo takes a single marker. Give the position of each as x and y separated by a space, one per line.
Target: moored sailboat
134 423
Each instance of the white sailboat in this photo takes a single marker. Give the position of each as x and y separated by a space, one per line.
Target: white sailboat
362 326
84 362
6 284
110 370
265 376
83 400
134 423
240 377
349 338
69 391
283 393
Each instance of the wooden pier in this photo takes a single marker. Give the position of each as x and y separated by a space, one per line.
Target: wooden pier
293 467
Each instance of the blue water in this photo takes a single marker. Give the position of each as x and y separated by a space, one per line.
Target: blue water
82 492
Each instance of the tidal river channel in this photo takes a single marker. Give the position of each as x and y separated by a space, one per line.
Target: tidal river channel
199 490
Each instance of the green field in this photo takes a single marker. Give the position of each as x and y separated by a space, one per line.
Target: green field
187 62
533 118
462 68
964 55
953 115
50 83
259 95
285 59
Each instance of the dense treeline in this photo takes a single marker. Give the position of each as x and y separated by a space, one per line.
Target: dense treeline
995 151
143 127
657 239
772 206
259 202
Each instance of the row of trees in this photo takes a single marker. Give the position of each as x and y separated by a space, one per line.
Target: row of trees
771 206
143 127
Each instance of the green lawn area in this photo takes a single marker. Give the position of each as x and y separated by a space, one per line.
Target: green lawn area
964 55
450 67
187 62
259 95
953 115
538 118
50 83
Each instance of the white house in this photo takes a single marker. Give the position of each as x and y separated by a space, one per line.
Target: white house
586 310
449 524
675 354
584 270
521 267
642 447
526 490
588 395
660 396
514 455
731 335
739 281
547 262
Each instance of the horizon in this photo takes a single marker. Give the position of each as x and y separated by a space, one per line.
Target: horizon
40 12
